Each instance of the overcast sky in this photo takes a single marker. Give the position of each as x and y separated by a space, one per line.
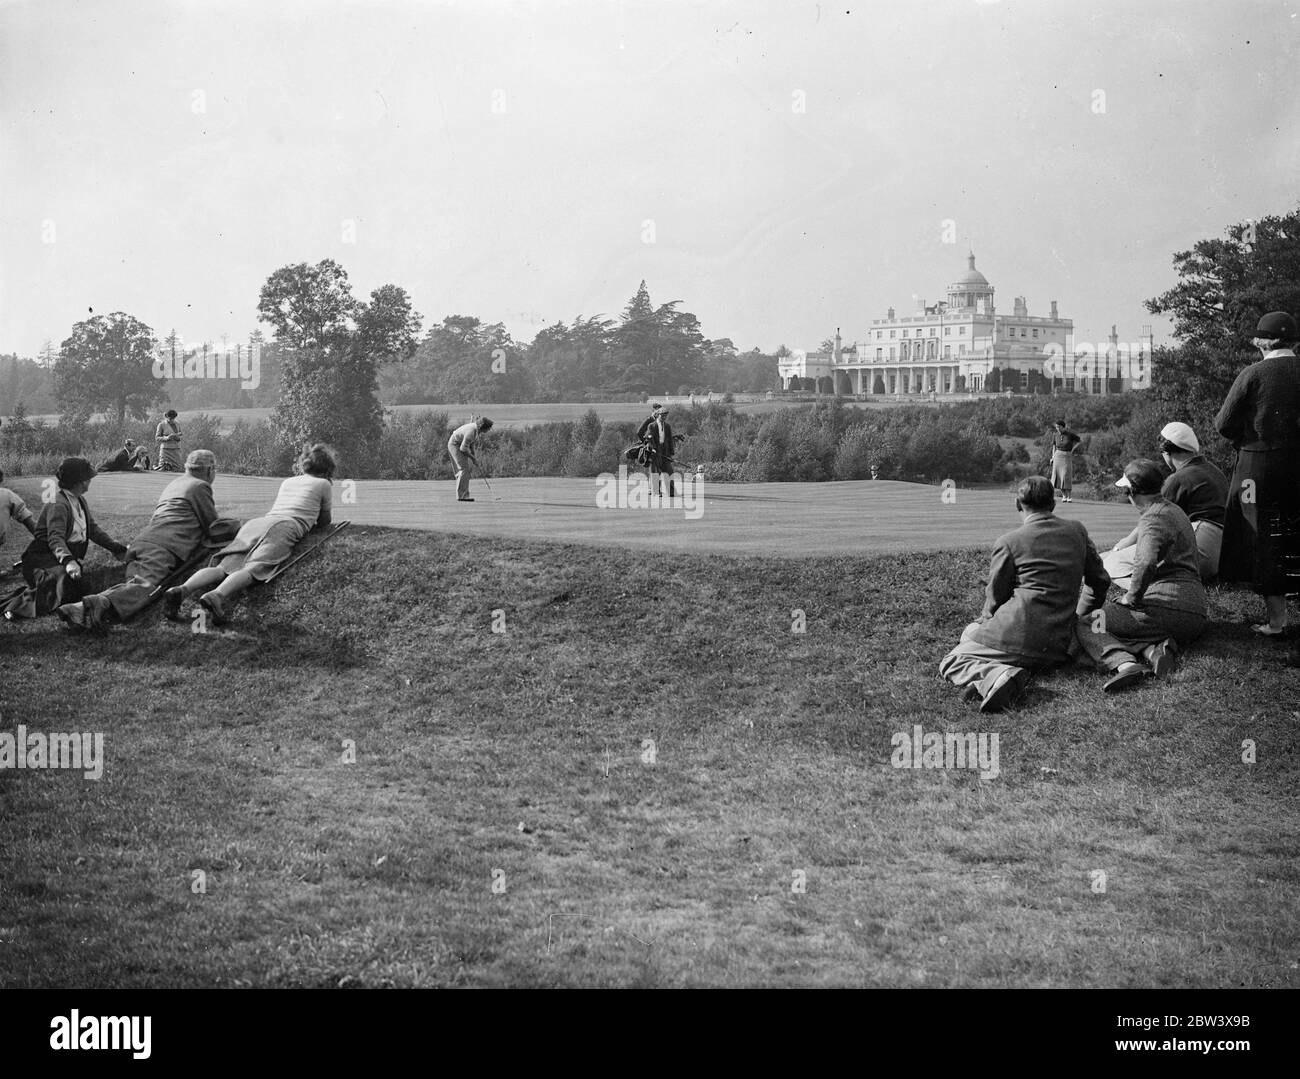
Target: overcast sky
797 161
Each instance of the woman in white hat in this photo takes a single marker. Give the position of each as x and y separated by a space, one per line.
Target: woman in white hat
1198 488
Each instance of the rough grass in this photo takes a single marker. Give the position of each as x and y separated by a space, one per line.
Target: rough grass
523 756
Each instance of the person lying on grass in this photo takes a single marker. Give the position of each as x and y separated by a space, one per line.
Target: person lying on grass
1138 634
302 505
175 533
1031 602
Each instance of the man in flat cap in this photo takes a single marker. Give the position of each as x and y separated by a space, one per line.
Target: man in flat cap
175 532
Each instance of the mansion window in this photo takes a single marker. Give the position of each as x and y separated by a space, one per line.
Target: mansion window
1035 333
879 357
947 331
891 352
947 352
891 335
961 330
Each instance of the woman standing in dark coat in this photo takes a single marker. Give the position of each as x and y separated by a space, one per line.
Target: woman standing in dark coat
1261 418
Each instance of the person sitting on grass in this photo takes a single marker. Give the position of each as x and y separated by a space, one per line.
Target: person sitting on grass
129 458
1138 635
1031 601
1198 488
52 562
12 507
303 504
178 528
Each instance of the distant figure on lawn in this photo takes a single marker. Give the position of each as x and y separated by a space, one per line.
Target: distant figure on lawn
302 505
1261 418
1031 601
129 458
175 532
1064 443
657 435
461 447
168 437
12 507
52 562
1198 488
1138 634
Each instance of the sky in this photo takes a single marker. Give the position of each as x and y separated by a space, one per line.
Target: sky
782 168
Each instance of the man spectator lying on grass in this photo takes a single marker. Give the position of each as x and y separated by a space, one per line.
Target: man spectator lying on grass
1031 603
177 529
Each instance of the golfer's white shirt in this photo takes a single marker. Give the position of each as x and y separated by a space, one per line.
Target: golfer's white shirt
463 437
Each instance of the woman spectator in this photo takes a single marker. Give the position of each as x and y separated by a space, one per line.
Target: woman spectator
1261 418
264 543
52 563
168 437
1164 607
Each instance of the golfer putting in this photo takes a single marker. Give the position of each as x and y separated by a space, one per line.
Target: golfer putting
461 447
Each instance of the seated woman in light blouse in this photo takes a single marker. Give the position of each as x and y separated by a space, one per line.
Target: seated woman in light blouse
264 543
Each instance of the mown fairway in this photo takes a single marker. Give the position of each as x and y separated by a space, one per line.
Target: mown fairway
783 520
524 758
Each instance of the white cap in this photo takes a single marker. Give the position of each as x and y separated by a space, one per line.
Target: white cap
1123 482
1181 436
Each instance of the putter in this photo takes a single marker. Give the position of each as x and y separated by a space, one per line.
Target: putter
483 476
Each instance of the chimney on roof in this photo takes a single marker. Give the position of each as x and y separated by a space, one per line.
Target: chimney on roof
891 314
1054 314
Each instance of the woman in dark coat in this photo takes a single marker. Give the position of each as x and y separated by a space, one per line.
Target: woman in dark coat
52 562
1261 418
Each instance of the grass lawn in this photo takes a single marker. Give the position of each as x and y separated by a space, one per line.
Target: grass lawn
629 784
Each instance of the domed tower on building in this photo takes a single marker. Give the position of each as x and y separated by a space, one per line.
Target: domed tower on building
971 291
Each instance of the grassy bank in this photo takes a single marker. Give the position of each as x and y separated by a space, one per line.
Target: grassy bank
623 785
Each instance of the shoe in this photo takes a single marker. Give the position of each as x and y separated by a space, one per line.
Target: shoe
1067 498
215 605
464 500
98 613
172 600
73 615
1004 691
1265 630
970 693
1162 658
1129 674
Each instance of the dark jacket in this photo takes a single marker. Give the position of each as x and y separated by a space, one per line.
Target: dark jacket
50 546
1033 589
649 429
1262 410
1199 489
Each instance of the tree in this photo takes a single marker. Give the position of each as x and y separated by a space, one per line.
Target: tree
654 348
1225 285
331 347
107 365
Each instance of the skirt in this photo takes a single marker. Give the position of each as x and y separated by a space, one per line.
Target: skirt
261 546
1261 534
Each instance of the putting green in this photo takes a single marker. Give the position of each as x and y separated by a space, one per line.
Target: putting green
791 520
